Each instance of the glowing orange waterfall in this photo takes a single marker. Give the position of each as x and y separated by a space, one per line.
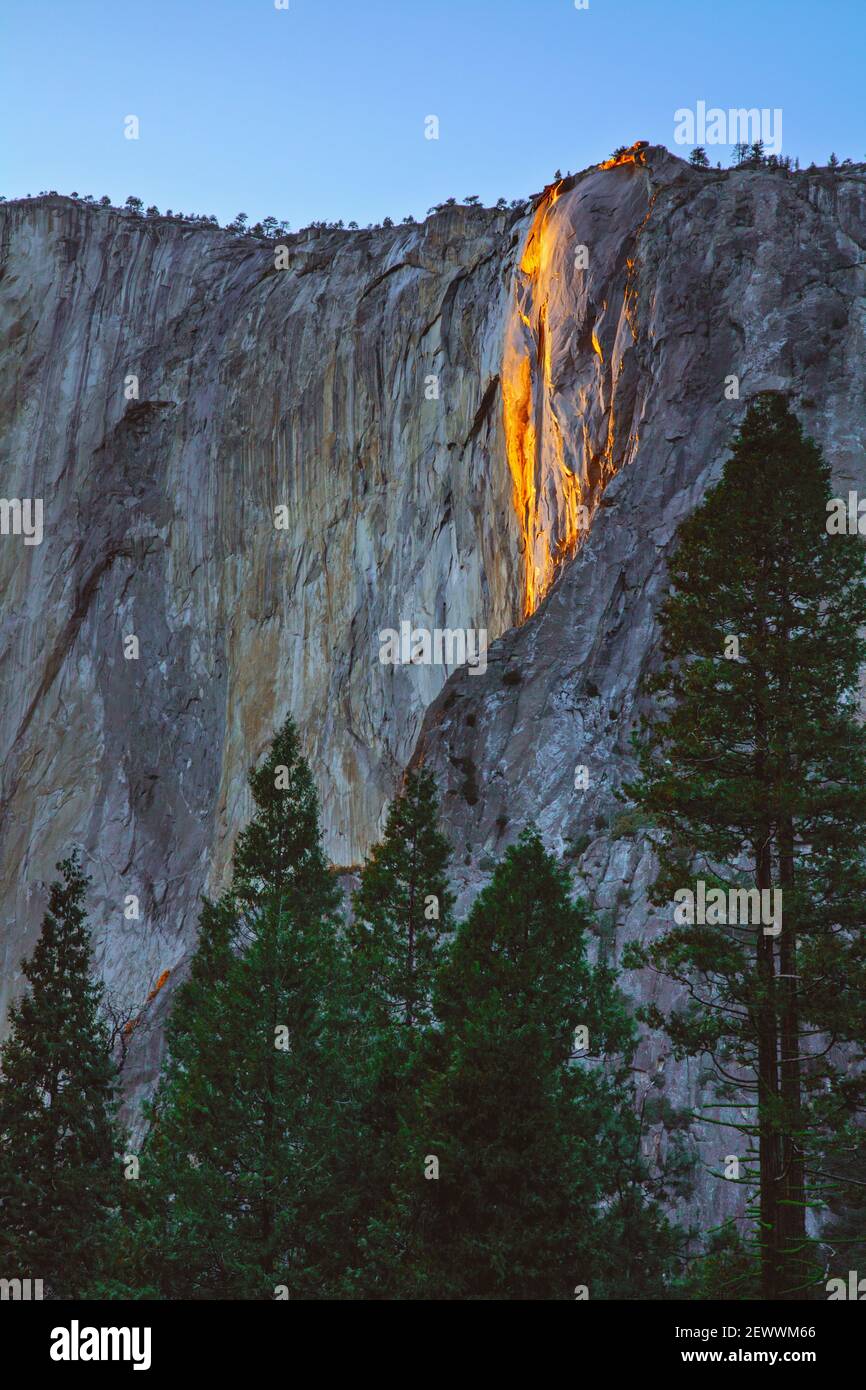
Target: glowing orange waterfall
568 409
520 447
547 494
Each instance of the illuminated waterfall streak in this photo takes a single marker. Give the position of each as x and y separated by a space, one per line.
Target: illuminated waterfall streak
547 492
568 488
520 448
538 248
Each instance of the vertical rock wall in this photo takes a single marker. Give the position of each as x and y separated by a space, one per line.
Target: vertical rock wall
470 424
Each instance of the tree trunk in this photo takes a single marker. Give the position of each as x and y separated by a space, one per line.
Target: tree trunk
792 1212
768 1090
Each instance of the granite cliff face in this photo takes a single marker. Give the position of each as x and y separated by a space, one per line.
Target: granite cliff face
495 420
304 389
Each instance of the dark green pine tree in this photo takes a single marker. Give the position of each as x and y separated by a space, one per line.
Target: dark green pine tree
726 1269
246 1183
529 1130
754 774
403 907
402 910
59 1160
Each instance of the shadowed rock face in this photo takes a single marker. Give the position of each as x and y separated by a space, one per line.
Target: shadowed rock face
561 387
741 273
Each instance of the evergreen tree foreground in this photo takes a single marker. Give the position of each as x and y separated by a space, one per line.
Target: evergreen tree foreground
59 1159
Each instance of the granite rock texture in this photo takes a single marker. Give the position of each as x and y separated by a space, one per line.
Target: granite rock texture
303 388
742 273
471 423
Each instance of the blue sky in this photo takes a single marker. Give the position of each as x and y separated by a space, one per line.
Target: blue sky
318 111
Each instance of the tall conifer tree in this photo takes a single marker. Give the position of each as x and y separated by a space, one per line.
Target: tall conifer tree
527 1165
59 1165
403 907
402 911
244 1192
754 773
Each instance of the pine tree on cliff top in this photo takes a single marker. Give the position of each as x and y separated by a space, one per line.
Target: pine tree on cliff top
59 1165
754 773
242 1186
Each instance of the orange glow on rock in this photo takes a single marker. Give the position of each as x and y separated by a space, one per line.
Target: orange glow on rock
133 1023
635 154
520 449
158 986
549 523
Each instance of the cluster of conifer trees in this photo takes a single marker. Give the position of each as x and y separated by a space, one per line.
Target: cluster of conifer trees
387 1103
393 1106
